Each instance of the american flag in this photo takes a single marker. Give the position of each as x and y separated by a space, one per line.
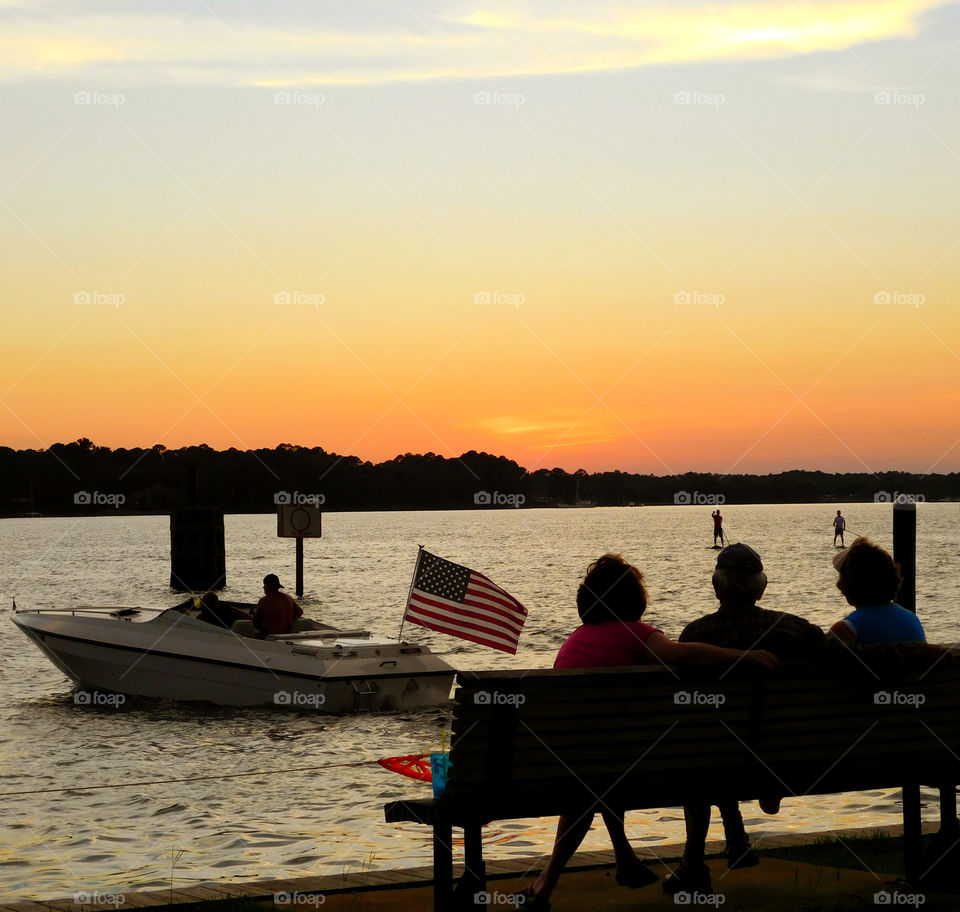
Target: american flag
463 603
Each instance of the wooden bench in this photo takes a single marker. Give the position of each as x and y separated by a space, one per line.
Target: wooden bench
545 743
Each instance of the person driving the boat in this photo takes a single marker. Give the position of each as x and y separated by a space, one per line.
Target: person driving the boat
220 614
277 611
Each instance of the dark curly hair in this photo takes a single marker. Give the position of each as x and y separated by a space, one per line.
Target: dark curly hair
612 590
868 575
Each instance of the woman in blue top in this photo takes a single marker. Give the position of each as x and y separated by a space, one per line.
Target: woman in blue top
870 580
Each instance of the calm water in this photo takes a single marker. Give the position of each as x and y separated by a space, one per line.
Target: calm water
331 820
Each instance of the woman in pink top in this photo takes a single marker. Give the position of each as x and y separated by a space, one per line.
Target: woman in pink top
610 601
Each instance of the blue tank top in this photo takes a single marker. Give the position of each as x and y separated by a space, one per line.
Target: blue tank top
890 623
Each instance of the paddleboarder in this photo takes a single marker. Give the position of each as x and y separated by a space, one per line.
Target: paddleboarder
717 528
839 524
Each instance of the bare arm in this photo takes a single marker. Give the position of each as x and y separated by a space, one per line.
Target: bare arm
671 653
843 631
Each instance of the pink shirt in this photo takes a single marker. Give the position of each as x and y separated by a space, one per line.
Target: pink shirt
610 643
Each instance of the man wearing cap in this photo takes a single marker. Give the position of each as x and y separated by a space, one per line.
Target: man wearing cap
739 583
276 611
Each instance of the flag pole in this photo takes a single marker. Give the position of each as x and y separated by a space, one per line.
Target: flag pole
416 568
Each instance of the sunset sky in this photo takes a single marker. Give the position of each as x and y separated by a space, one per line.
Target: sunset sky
655 237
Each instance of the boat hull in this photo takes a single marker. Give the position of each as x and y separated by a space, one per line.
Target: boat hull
178 658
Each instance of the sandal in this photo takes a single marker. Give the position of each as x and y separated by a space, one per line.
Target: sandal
533 901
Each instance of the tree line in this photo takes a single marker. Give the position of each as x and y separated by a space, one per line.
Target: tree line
82 478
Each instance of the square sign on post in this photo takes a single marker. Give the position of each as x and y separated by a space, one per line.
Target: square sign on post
298 521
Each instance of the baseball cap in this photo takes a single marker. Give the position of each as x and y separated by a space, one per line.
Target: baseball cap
740 557
271 579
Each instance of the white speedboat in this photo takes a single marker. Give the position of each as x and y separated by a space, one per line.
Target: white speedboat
168 654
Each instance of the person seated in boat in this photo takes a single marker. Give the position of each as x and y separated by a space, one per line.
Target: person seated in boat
611 601
277 611
870 580
220 614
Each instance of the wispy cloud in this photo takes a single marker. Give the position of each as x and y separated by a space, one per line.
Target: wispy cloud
238 44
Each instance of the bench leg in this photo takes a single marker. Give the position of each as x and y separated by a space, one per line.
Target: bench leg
471 891
442 866
940 862
912 831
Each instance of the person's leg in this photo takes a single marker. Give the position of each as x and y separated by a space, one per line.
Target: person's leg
739 852
570 833
631 872
692 874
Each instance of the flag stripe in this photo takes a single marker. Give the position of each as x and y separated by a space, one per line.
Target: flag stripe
467 618
452 630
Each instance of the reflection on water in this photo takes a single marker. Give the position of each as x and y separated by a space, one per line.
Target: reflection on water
330 820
